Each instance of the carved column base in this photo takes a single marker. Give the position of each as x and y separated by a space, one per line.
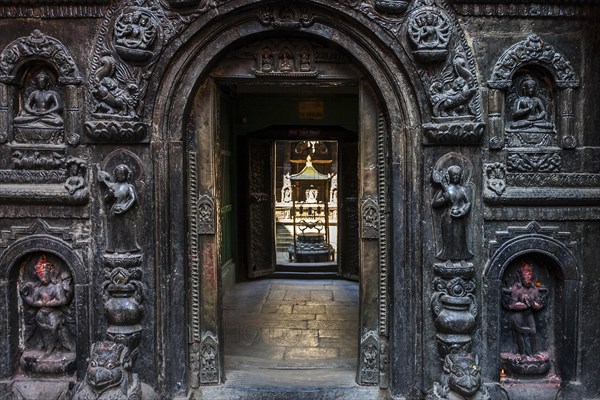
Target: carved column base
519 364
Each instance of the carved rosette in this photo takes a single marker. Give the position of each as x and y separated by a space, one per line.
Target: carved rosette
369 359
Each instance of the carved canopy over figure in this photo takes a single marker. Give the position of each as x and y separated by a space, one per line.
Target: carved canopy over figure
42 106
52 290
457 200
121 220
522 299
528 110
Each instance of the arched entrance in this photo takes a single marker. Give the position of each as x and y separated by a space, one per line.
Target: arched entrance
187 115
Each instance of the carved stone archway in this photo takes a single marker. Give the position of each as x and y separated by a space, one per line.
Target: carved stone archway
391 113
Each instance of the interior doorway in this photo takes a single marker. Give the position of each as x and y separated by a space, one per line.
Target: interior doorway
288 180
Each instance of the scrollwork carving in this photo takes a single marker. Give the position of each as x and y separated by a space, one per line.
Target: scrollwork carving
533 162
533 50
38 46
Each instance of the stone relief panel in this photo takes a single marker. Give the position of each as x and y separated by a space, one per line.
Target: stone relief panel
369 359
526 107
48 322
447 68
461 379
453 198
286 59
369 219
129 42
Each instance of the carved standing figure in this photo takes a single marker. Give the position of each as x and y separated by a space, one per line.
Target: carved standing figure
457 200
121 227
522 299
42 107
48 295
528 110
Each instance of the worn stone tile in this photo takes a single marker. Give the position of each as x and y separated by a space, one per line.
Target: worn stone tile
350 327
300 309
321 295
339 309
331 333
276 294
274 308
310 353
337 317
294 294
290 337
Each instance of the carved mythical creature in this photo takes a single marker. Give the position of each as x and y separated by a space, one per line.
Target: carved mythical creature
42 107
49 294
109 375
452 91
457 200
461 379
116 91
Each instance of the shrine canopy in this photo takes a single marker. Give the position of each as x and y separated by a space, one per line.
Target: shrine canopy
309 173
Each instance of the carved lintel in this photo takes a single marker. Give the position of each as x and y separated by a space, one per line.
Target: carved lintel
209 359
110 131
454 133
369 359
369 218
206 215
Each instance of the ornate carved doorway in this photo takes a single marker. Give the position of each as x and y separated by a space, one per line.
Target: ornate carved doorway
296 70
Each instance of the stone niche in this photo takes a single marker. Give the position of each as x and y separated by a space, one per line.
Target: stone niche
44 318
531 303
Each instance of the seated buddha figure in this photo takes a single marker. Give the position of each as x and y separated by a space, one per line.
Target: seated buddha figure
529 111
42 107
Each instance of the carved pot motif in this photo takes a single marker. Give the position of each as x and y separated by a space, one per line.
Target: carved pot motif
121 309
453 314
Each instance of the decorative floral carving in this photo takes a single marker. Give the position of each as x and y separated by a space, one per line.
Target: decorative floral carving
495 177
429 31
116 131
533 162
38 158
533 50
36 46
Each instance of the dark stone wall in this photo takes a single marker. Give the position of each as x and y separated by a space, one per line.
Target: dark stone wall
552 210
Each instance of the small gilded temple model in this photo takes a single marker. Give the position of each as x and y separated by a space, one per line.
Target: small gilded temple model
310 217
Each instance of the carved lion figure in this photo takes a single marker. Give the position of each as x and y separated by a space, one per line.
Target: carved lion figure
109 375
461 379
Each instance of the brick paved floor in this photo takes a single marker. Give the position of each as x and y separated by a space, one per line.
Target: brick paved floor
291 324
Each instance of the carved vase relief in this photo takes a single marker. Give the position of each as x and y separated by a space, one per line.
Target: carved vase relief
46 291
525 313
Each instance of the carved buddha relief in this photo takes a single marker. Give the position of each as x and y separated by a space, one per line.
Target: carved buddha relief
39 118
529 113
